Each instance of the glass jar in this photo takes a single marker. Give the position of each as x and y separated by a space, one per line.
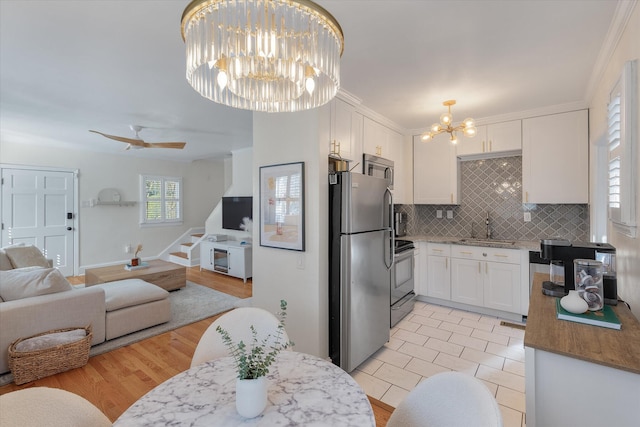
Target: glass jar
588 282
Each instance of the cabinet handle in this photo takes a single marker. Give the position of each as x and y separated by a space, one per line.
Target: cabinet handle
338 147
466 253
479 267
436 250
526 197
490 149
452 198
501 256
446 263
486 268
483 146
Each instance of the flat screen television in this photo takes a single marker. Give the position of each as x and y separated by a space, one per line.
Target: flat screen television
234 210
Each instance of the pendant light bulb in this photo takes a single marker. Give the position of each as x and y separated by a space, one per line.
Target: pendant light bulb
469 122
454 138
446 119
470 131
436 127
426 136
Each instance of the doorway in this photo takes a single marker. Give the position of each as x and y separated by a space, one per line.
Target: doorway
39 208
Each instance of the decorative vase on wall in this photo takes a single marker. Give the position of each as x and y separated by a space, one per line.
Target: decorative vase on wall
135 261
573 303
251 396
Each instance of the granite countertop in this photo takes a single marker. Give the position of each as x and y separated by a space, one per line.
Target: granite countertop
489 243
619 349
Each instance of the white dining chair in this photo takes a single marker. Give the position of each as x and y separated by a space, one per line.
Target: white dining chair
52 407
448 399
238 324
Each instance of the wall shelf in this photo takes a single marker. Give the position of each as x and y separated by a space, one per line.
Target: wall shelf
111 197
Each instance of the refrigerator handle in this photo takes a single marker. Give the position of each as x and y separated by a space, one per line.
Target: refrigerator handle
390 229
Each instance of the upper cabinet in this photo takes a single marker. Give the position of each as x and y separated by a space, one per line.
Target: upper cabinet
346 132
555 158
435 172
493 138
375 138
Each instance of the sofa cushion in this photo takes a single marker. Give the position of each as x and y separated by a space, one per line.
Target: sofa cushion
26 256
130 292
23 283
5 262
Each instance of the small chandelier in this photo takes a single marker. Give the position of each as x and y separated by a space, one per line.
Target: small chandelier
468 126
263 55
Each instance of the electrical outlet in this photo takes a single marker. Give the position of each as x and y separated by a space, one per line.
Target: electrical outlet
527 217
439 213
300 262
127 248
449 214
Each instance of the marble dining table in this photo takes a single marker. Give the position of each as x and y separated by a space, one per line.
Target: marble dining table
304 390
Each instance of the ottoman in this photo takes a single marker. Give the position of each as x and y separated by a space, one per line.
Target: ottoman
132 305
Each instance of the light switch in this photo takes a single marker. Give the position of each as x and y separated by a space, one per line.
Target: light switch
527 217
439 213
449 214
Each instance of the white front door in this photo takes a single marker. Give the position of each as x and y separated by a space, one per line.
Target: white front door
38 209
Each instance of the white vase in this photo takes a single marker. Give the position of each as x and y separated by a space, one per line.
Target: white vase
251 396
573 303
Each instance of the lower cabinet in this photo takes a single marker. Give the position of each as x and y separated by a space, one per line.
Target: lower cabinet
467 281
438 276
473 275
230 258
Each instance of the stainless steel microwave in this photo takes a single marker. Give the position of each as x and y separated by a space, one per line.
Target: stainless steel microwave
378 166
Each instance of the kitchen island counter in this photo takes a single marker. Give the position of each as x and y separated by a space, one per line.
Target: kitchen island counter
578 374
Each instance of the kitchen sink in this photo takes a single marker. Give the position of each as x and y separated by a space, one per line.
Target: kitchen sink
489 241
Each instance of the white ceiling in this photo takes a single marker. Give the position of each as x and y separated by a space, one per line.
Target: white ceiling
70 66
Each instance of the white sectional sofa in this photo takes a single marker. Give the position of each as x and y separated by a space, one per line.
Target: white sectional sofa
113 309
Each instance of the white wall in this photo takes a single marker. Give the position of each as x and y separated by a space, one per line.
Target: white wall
287 138
238 182
627 249
104 230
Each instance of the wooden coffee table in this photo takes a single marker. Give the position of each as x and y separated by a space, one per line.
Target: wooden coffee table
167 275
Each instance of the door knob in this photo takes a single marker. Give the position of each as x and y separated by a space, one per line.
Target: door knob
69 228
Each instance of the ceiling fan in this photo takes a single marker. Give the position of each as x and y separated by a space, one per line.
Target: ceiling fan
137 142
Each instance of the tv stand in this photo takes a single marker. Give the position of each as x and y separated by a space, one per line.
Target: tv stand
229 257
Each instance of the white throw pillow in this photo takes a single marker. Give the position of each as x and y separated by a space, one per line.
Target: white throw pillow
5 262
26 256
29 282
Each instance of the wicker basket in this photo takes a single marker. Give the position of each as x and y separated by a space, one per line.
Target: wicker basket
29 366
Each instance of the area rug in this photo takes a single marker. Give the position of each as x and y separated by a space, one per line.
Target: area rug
188 305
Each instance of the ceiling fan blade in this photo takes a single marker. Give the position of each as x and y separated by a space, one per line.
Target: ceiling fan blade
131 141
178 145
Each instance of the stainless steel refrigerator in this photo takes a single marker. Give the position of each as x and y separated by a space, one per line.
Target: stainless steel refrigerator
360 259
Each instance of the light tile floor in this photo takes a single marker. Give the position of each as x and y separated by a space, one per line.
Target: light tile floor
434 339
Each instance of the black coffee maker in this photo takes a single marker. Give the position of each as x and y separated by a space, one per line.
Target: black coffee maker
561 252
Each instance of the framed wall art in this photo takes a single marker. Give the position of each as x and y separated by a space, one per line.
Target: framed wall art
282 206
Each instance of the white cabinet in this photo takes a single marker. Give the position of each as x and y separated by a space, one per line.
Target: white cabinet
435 172
438 275
375 138
346 131
486 277
466 281
230 258
421 270
493 138
555 158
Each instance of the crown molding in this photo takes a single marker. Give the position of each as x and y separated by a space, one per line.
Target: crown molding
621 16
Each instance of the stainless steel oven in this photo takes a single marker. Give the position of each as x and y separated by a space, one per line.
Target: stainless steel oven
378 167
402 281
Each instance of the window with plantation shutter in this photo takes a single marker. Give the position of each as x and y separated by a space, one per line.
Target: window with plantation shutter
621 140
161 198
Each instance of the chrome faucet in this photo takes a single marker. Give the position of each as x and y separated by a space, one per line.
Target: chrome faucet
487 221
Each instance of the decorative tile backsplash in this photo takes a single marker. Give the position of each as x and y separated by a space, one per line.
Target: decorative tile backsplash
495 186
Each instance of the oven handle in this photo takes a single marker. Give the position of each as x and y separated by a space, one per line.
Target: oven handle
397 306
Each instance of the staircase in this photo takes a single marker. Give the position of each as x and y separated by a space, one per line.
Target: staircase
189 253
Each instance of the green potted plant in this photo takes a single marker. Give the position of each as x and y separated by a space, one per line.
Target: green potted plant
252 363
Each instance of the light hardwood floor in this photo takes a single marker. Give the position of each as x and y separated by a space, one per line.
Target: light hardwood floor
115 380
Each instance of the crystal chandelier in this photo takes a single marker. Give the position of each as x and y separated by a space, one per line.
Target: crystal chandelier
262 55
468 126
